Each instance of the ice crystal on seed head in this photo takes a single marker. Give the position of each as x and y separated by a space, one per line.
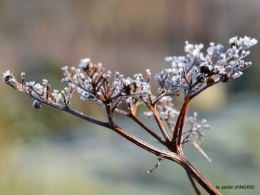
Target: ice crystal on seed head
30 84
8 77
84 63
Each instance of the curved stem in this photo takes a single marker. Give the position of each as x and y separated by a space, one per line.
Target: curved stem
181 160
177 130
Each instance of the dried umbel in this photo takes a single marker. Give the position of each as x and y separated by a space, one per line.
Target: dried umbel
190 74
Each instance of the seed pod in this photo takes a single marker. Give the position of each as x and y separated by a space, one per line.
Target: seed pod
132 87
224 77
201 78
210 81
89 67
235 43
48 92
129 89
7 78
36 104
204 69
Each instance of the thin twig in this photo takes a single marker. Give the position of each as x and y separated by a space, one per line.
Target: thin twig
147 129
157 165
158 120
160 124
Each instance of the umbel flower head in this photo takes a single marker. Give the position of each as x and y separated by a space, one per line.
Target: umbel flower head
197 70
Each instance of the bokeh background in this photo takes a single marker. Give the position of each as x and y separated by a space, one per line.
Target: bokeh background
48 152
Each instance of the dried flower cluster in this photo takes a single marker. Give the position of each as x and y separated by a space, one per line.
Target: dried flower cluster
196 71
190 74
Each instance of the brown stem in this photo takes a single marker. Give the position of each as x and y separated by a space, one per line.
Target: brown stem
158 120
146 128
110 115
199 178
193 183
177 130
182 126
160 124
202 89
150 148
170 156
132 115
116 104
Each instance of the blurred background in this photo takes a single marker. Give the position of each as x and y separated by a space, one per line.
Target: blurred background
48 152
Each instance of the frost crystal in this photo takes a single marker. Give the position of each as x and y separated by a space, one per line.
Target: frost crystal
84 62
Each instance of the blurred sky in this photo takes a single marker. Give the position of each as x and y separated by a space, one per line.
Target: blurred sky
39 37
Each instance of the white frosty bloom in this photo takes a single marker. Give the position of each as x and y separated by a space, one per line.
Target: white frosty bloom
84 62
237 74
57 96
44 81
64 68
7 73
38 87
30 84
8 77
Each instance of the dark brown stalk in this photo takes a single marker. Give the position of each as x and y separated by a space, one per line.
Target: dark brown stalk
199 178
181 160
159 122
193 183
147 129
177 130
182 126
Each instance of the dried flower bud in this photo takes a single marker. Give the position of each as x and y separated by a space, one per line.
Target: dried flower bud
86 65
204 69
48 92
132 87
7 76
90 66
235 43
36 104
201 78
224 77
210 81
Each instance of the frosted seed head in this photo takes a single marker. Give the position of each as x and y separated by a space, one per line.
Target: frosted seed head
7 76
201 78
224 77
204 69
36 104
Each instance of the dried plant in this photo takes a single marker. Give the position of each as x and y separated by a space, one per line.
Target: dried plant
190 74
